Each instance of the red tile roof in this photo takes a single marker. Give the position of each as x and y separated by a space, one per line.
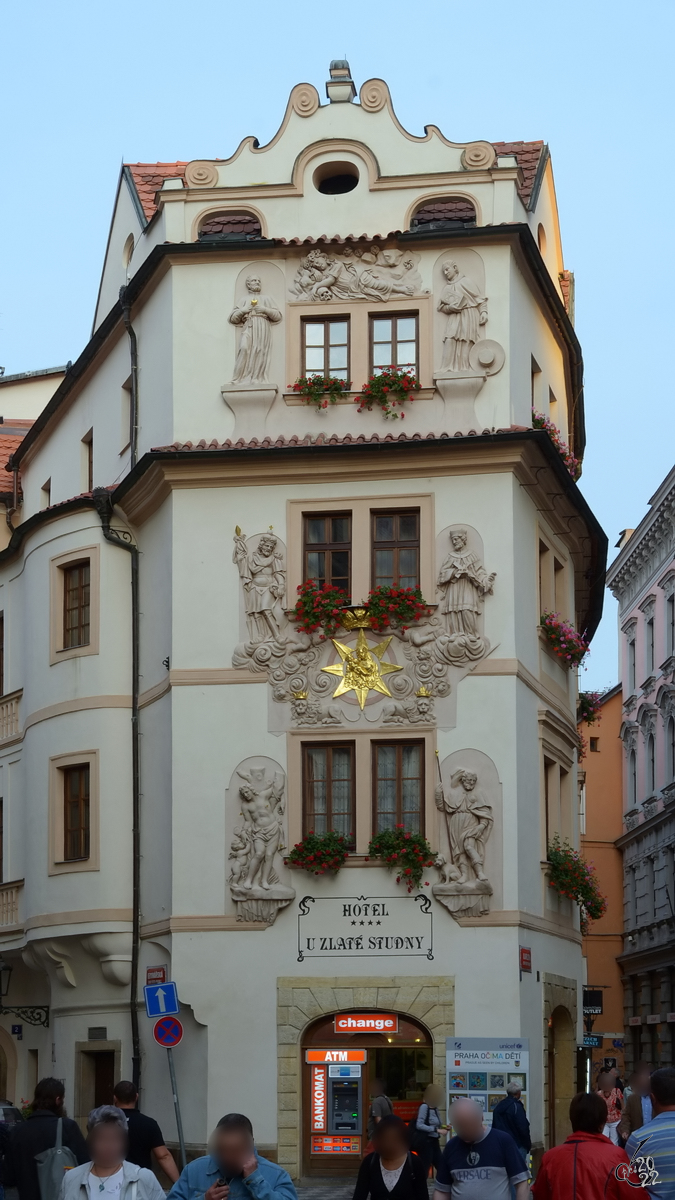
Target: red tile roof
11 437
528 156
149 177
322 439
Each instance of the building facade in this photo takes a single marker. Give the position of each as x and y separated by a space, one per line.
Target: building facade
176 731
642 578
601 820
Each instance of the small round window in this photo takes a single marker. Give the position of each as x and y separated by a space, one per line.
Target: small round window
336 178
128 250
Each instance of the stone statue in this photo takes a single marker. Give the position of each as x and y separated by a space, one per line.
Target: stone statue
463 583
416 710
310 712
468 817
465 888
263 577
254 882
466 310
256 314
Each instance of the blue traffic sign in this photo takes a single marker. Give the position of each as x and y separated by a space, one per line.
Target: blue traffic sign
161 999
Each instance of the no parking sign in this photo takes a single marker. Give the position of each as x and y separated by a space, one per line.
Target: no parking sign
168 1032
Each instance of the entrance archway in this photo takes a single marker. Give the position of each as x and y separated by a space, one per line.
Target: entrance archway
402 1057
561 1084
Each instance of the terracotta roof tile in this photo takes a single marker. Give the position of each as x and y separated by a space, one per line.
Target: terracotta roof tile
148 179
9 442
528 155
322 439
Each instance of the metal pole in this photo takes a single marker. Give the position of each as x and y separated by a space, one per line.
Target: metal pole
179 1123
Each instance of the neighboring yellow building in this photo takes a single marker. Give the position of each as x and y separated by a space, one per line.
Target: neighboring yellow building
601 824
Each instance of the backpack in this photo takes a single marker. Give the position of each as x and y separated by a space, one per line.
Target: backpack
53 1164
418 1137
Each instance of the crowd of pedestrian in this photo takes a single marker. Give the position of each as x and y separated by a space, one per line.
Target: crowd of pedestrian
622 1139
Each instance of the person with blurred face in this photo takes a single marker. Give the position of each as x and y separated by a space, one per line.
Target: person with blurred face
586 1165
479 1163
108 1176
391 1172
613 1098
637 1109
233 1170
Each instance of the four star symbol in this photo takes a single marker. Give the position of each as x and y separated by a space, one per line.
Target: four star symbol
361 669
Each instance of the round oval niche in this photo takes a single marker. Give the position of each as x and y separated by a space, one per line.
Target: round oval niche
335 178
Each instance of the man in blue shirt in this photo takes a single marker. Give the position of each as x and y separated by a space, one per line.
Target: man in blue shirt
479 1163
656 1139
233 1171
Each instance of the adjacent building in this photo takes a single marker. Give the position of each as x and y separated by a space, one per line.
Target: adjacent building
642 577
601 820
175 731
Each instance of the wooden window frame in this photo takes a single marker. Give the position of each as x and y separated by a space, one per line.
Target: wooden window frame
327 547
330 746
79 629
399 743
393 316
57 566
58 865
327 319
83 829
396 546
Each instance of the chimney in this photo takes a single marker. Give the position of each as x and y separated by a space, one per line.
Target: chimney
340 87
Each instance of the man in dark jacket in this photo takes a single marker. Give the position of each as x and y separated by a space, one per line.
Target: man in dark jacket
509 1116
38 1133
584 1167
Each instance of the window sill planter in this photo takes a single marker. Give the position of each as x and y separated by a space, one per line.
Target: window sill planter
293 400
319 853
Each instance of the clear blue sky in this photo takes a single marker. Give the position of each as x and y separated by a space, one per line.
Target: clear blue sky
85 85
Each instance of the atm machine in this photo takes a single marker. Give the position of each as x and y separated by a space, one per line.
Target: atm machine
340 1117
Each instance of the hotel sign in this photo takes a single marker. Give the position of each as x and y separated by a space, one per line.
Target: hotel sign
365 927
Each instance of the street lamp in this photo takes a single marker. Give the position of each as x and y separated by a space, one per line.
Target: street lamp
32 1014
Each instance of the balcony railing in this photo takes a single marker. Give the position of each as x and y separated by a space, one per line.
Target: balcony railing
9 715
9 902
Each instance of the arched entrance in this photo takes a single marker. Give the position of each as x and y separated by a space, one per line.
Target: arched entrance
346 1051
8 1065
561 1063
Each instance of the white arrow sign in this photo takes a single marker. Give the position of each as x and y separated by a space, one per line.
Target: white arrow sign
160 994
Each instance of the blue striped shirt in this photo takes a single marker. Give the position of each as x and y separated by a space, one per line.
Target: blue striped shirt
659 1144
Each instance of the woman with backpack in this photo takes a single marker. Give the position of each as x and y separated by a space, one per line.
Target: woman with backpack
109 1176
41 1147
391 1172
427 1140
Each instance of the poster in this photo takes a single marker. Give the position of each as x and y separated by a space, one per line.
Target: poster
480 1069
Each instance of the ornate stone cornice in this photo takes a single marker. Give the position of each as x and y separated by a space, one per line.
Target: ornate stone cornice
645 553
668 583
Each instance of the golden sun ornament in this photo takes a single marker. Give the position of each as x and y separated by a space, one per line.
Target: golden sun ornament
361 670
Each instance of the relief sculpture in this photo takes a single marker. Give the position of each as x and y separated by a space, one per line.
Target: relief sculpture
466 310
359 272
264 582
254 882
256 314
463 583
465 888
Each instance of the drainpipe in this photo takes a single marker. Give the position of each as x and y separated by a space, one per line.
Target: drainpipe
133 354
123 539
15 493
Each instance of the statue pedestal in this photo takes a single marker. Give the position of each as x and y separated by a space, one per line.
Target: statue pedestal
458 390
250 404
261 904
464 899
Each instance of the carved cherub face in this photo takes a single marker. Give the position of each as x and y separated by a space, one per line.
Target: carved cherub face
267 545
468 781
316 258
451 270
458 539
253 283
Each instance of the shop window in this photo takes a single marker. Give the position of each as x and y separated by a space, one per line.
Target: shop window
325 348
328 789
76 604
396 548
76 812
394 343
398 786
328 549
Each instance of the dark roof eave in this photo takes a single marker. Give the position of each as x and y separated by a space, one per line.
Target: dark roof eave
186 249
542 439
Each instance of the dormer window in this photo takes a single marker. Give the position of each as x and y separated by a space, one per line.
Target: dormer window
230 226
446 212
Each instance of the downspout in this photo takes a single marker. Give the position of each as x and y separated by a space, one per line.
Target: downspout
15 493
122 538
133 354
